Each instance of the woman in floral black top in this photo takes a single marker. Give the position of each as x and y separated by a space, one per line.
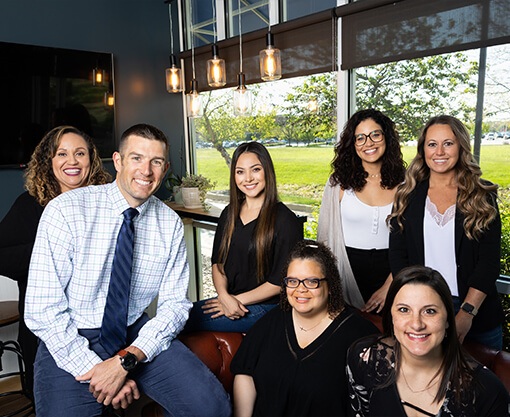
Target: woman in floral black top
419 368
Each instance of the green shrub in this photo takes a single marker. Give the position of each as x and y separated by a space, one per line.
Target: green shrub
504 209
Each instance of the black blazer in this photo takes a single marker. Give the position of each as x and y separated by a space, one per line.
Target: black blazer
478 261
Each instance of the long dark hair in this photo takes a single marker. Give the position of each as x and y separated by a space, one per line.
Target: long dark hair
347 168
265 228
454 367
322 255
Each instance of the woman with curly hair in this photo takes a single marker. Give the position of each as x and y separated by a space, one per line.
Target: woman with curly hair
292 362
64 159
367 168
418 368
446 217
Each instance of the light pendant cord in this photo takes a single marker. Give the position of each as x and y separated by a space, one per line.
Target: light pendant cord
215 21
240 37
171 28
192 41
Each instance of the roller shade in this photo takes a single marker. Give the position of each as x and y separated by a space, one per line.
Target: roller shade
375 32
307 48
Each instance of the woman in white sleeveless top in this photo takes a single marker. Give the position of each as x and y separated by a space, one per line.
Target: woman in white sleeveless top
358 198
446 217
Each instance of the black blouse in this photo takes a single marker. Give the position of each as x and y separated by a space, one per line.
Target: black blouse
371 362
295 381
241 263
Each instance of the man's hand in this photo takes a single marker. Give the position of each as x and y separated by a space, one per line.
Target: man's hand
106 380
127 394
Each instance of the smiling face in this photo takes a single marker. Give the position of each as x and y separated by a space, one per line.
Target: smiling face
441 149
249 175
370 152
71 163
141 166
304 301
419 320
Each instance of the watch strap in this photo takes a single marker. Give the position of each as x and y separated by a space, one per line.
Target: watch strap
469 308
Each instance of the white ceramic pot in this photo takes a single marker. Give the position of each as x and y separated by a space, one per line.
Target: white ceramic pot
191 197
177 195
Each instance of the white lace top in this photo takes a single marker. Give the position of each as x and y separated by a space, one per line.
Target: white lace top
439 242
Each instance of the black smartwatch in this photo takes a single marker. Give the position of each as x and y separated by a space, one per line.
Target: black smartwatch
127 360
469 308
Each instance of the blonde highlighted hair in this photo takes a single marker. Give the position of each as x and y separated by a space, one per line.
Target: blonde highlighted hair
476 198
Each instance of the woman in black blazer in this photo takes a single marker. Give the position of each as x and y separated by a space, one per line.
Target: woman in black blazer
446 217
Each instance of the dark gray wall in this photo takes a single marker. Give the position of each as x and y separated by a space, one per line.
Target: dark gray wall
135 31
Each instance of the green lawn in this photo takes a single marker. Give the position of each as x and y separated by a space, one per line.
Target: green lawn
301 172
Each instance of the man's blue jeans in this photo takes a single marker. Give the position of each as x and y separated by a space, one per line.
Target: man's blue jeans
176 379
199 321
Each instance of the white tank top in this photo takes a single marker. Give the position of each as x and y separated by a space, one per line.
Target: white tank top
439 243
364 226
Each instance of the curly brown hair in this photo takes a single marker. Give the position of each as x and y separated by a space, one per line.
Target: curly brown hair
40 180
476 198
347 168
322 255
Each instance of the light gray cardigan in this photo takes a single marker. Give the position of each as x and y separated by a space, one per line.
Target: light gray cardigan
331 234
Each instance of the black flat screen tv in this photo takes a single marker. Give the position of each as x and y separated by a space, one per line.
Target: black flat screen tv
43 87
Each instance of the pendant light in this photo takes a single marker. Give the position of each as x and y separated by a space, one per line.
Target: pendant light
242 96
109 99
193 98
97 75
216 74
173 75
270 59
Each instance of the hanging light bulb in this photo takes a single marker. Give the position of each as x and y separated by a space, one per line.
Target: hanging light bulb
194 101
270 60
97 76
173 77
216 74
242 96
109 100
193 98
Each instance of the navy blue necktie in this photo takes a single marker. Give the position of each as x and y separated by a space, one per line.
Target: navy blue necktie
114 327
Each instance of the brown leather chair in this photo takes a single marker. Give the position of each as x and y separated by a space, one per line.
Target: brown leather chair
216 350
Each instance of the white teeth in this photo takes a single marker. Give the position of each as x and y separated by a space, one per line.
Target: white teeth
73 171
418 336
142 182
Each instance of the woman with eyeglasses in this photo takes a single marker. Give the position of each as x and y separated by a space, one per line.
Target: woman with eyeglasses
358 197
292 362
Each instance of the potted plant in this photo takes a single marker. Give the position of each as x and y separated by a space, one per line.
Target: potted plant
173 184
194 190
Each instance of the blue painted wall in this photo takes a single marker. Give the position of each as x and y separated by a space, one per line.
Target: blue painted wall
135 31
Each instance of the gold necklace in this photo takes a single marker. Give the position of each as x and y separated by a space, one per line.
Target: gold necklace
311 328
374 175
429 386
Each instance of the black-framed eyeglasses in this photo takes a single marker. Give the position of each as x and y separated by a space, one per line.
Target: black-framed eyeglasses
375 136
310 283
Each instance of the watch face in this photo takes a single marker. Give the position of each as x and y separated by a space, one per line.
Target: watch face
128 361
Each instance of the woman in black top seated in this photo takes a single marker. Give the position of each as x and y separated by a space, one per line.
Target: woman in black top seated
419 368
292 361
254 237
